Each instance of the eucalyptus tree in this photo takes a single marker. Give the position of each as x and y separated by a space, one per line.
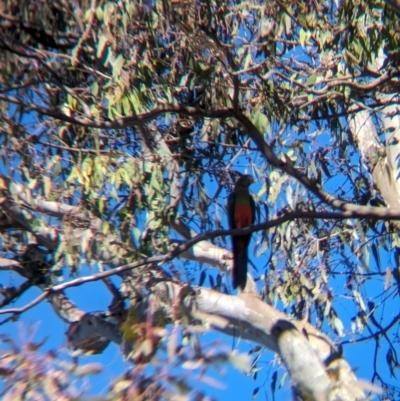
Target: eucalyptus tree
123 125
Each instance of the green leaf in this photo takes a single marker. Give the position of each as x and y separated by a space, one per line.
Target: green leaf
261 122
247 61
105 227
327 307
360 302
108 12
303 37
126 105
47 184
154 183
133 97
95 88
102 43
338 325
56 169
288 24
136 234
311 80
99 13
117 65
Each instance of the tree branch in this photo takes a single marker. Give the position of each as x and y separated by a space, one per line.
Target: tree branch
121 123
365 212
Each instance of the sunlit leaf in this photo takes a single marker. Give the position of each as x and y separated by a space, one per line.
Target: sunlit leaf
240 361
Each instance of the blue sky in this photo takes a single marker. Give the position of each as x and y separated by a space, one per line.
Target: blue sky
235 385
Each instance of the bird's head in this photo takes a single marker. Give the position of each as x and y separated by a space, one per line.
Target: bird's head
245 181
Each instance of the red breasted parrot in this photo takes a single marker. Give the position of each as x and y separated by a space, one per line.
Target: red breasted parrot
241 213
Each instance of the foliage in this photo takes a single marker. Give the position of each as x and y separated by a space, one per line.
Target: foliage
41 377
132 116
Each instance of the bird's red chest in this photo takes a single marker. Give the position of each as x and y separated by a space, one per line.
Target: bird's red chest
242 216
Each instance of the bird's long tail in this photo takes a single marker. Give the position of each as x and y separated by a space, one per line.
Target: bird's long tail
240 259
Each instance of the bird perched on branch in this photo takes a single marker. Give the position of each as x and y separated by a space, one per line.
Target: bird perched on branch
241 213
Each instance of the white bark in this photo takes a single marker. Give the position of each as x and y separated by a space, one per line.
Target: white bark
308 354
317 369
382 160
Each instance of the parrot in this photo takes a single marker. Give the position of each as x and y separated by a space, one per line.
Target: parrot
241 213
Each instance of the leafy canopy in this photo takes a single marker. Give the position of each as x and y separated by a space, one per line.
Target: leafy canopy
121 124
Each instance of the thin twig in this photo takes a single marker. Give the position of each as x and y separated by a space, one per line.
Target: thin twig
375 213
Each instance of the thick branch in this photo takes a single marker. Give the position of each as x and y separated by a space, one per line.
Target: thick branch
251 130
122 122
306 352
382 160
364 212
